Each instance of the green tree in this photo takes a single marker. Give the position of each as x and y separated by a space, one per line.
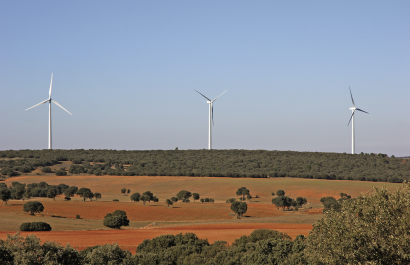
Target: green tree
33 207
85 193
5 195
123 191
52 193
97 195
128 191
249 197
174 199
231 200
242 191
18 191
144 198
168 202
280 193
116 219
283 202
301 201
239 208
135 197
195 196
371 229
71 191
184 195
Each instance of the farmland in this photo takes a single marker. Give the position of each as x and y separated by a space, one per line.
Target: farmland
214 221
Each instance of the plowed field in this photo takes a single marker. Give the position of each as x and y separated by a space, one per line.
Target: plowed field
130 239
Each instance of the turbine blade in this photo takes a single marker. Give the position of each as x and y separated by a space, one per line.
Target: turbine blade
362 111
352 97
38 104
51 85
55 102
202 95
351 118
220 95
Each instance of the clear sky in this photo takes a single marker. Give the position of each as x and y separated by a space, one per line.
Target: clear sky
127 71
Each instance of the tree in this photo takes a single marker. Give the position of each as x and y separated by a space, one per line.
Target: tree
174 199
184 195
202 200
280 193
135 197
71 191
144 198
283 201
123 191
5 194
97 195
33 207
300 201
52 193
370 229
18 191
116 219
128 191
168 202
242 191
239 208
231 200
249 197
195 196
85 193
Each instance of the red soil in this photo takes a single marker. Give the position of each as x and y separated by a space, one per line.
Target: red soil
137 212
130 239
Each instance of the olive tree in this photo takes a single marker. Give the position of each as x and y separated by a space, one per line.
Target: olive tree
371 229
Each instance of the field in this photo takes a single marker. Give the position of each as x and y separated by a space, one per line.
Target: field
214 221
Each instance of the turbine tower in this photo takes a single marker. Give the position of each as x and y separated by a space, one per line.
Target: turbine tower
211 117
49 100
353 109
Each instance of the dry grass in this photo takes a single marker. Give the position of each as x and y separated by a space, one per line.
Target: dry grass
218 188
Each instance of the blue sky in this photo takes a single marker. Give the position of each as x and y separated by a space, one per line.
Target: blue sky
127 71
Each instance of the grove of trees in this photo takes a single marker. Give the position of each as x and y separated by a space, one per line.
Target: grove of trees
211 163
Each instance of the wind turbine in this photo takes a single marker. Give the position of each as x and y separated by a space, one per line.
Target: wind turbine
211 117
49 100
353 109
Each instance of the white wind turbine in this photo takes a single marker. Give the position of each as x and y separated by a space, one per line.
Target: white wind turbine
211 117
353 109
49 100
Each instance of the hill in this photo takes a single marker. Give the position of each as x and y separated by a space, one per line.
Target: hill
211 163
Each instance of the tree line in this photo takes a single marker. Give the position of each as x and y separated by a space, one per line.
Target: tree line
211 163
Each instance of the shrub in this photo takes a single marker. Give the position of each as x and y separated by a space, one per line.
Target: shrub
115 200
46 170
35 226
61 173
116 219
67 198
77 216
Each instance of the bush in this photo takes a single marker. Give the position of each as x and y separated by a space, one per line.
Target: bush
46 170
61 173
116 219
77 216
67 198
35 226
115 200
